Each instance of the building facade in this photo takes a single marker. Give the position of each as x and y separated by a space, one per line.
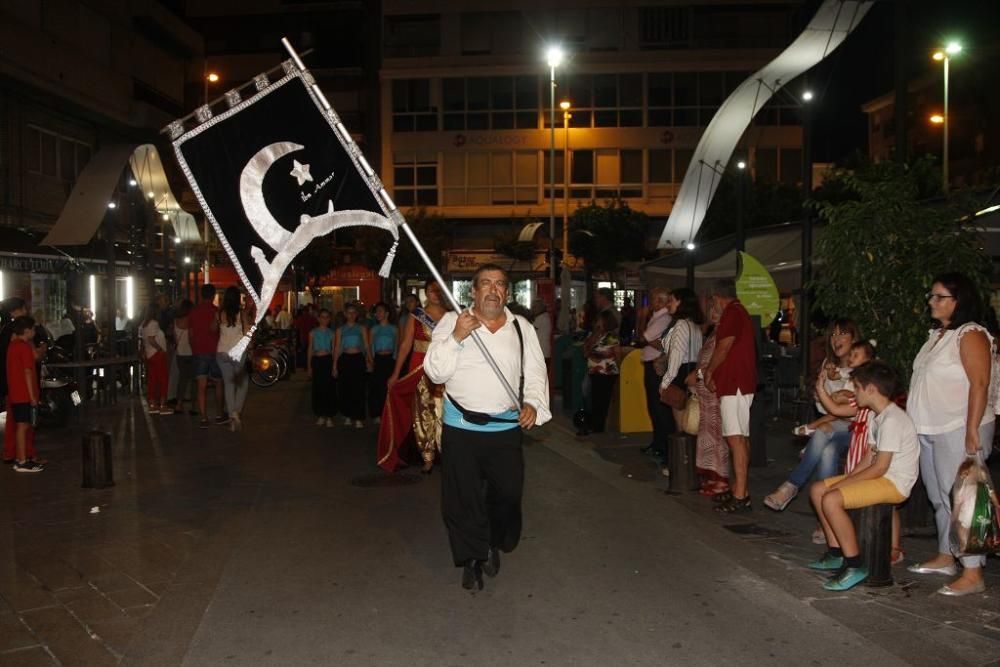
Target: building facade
466 105
75 77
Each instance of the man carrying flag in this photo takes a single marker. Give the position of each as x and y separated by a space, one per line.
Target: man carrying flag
482 429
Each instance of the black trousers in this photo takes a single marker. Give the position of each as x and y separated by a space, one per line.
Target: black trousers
601 389
324 387
351 383
482 481
377 387
659 413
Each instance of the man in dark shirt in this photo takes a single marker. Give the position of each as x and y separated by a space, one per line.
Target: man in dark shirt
732 375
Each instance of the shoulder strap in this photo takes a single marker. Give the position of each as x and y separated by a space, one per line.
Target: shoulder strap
520 341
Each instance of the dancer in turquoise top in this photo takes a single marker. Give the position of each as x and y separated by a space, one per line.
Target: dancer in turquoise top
385 343
351 358
319 364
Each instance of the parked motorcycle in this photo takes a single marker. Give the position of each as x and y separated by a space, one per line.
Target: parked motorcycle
58 391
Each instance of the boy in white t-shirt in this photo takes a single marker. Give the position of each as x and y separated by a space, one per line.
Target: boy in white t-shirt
886 475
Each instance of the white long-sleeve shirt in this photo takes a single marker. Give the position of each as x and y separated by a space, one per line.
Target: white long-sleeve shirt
682 345
468 377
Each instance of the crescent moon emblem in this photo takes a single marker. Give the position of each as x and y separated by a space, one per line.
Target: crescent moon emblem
252 193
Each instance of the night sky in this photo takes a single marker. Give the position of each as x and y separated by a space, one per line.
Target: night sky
862 68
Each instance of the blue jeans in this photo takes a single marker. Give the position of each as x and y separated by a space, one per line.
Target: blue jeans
823 454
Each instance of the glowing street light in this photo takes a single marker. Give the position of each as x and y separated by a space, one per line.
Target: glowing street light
944 55
937 119
690 246
741 165
213 77
807 96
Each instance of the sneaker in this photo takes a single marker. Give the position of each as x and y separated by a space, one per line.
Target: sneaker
851 577
818 536
779 499
28 466
329 423
827 563
222 419
321 421
358 423
347 421
203 423
166 410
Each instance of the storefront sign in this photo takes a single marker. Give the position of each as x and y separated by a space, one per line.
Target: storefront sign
467 261
756 289
488 140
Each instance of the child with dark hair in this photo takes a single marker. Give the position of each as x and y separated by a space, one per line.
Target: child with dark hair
885 476
22 385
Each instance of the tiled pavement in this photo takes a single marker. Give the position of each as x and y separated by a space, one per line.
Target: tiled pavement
78 585
907 619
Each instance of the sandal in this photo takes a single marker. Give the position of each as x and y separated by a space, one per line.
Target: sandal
803 430
723 497
735 504
898 556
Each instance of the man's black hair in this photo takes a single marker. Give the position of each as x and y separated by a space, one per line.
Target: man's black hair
207 292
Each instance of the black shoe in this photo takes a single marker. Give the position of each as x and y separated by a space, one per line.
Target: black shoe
220 420
472 575
491 566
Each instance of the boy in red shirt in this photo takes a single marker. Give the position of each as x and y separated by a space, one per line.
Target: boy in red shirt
22 385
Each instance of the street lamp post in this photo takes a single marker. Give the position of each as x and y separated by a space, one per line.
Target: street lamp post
944 55
806 275
554 57
565 106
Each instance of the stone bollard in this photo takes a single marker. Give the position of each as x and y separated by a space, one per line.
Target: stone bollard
98 471
874 529
680 462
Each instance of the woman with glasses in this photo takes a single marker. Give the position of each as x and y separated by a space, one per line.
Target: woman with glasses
948 401
827 444
410 428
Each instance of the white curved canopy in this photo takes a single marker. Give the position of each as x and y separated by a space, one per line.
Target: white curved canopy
832 23
87 205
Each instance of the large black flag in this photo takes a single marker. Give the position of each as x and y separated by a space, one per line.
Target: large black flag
275 171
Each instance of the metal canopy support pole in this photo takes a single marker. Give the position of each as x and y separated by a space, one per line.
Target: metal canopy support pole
410 235
804 323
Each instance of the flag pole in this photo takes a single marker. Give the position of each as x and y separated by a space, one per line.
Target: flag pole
408 231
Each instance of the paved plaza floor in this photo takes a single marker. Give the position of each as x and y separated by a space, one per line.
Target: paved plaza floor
284 545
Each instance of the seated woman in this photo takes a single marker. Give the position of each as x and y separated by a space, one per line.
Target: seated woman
829 442
410 428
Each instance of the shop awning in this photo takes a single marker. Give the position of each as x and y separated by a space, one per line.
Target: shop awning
87 205
778 248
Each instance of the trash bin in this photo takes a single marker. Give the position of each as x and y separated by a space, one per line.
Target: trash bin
98 471
680 462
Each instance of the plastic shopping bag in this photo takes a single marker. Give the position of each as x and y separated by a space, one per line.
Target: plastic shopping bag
975 510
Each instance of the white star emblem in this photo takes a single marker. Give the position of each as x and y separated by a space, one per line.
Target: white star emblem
301 172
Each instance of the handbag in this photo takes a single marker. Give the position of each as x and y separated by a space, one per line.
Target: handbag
674 396
691 415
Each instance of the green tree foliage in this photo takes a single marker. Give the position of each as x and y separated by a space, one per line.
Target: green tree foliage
433 231
880 249
604 236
